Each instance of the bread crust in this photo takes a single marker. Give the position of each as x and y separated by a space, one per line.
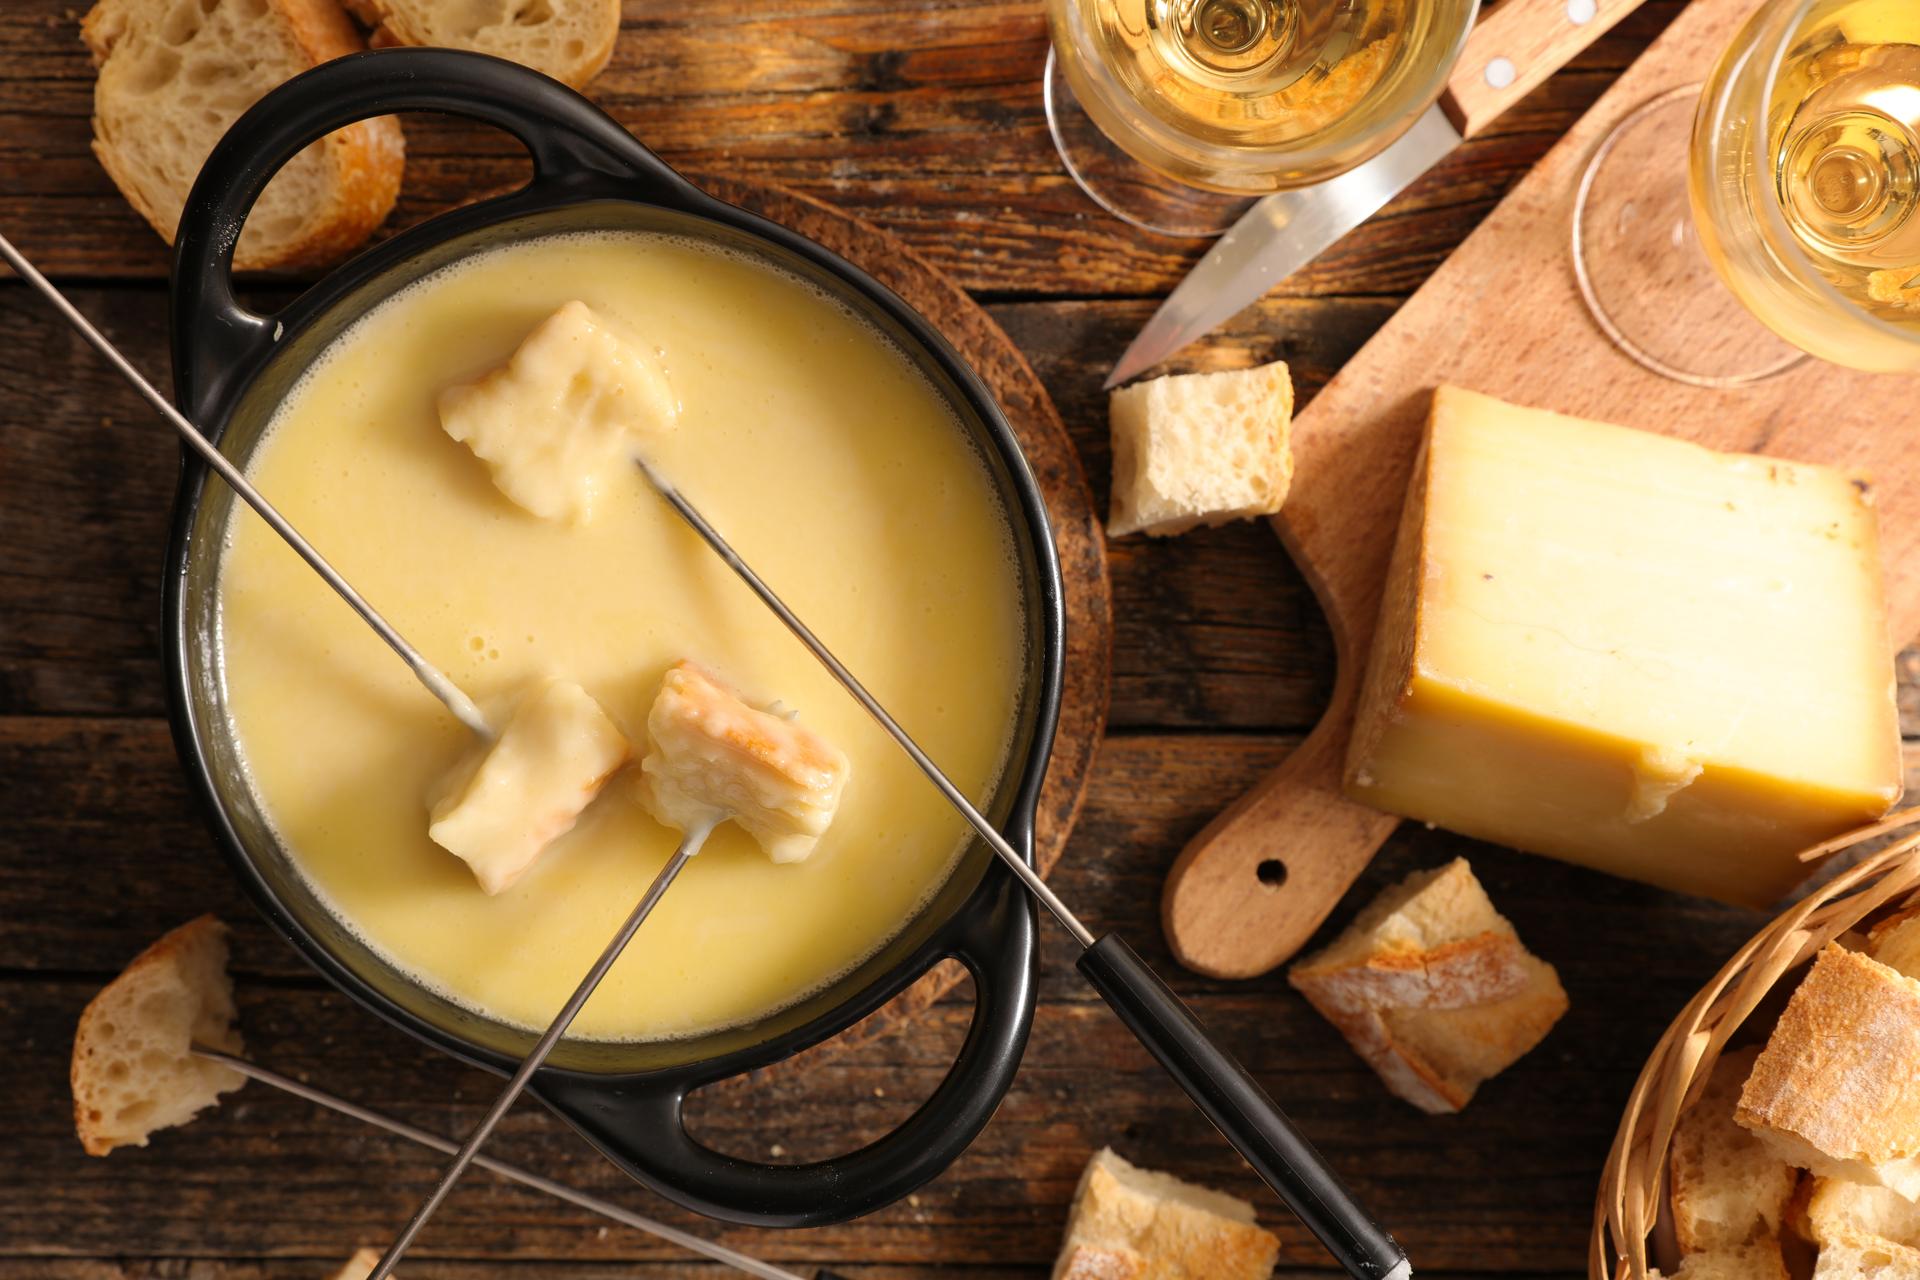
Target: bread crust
1163 1230
394 24
364 160
96 1031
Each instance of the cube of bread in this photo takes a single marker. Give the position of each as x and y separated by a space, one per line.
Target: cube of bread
133 1070
1895 942
572 399
1129 1223
1432 987
1200 448
1727 1188
569 40
1837 1089
516 795
1867 1260
712 757
360 1265
175 74
1838 1211
1760 1260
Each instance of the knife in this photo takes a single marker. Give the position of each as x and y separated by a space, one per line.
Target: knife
1515 47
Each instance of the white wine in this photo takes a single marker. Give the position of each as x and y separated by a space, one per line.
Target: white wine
1846 133
1256 95
1808 184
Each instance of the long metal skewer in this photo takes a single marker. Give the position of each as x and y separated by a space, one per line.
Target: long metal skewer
429 675
469 1150
955 797
513 1173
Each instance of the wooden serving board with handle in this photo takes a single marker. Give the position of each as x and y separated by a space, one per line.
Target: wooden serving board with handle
1503 315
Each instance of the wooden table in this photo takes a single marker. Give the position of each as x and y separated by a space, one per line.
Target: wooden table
924 117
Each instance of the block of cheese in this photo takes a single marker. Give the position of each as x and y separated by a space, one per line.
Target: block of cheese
570 402
1629 652
711 757
516 795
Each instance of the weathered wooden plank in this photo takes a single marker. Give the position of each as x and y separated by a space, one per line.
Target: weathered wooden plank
925 117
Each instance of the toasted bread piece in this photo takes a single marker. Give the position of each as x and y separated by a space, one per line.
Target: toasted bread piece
1431 986
1838 1210
1867 1259
712 757
1837 1089
359 1266
133 1072
1728 1189
566 407
512 797
570 40
1760 1260
1200 448
174 74
1895 942
1129 1223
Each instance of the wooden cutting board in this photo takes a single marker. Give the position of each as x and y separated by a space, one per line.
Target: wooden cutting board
1503 315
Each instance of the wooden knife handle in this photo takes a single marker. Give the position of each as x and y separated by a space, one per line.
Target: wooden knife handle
1515 47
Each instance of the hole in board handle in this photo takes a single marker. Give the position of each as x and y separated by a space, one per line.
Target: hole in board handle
1272 873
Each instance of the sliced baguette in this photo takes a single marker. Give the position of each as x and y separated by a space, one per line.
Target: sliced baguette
570 40
174 74
1895 942
132 1072
1129 1223
1200 448
1838 1211
359 1266
1432 987
1760 1260
1836 1090
1867 1260
1728 1189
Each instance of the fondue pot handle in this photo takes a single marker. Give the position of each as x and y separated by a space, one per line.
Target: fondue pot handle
578 151
637 1121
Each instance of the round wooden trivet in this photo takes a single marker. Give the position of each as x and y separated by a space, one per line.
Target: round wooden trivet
1077 532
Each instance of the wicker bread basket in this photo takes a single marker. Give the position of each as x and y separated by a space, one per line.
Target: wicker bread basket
1633 1190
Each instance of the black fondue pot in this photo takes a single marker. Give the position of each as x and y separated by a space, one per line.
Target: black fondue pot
232 367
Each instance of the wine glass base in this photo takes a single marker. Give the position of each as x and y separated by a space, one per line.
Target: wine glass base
1125 188
1641 268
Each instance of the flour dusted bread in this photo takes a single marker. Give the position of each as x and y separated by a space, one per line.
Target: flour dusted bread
1129 1223
1758 1261
132 1071
1837 1089
1200 448
1838 1211
569 40
1728 1189
1432 987
1895 942
1867 1260
174 74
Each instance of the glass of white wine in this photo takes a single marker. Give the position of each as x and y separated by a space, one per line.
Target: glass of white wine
1175 114
1803 190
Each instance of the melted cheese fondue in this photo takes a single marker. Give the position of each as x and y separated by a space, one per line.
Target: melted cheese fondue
822 455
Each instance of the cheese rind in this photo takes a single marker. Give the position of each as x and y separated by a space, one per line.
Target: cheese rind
1629 652
550 421
519 793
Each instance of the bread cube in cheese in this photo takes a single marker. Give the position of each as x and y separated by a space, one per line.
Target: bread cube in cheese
712 757
571 401
519 793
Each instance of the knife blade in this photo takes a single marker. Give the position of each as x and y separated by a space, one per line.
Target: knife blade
1518 45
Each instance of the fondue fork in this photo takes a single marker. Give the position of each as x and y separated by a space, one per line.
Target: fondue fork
436 680
1208 1074
513 1173
469 1151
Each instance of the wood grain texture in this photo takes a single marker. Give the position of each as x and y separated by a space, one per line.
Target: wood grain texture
1354 450
1512 51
